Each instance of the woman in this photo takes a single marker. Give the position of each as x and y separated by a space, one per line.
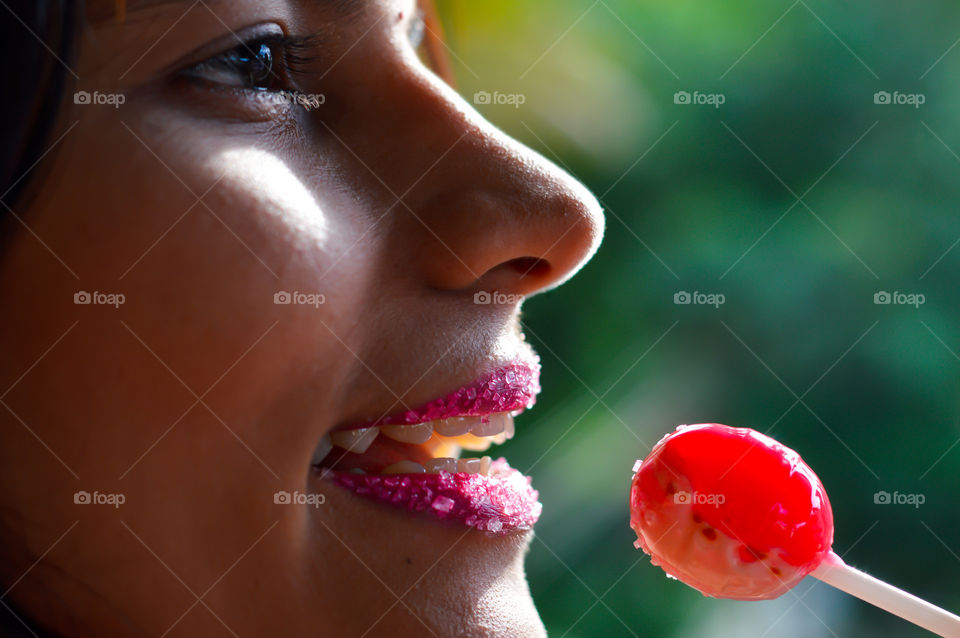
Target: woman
261 279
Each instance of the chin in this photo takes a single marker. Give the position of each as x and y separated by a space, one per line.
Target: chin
395 575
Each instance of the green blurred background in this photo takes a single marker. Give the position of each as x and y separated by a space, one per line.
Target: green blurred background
706 199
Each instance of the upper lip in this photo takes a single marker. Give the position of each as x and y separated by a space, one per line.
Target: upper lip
512 387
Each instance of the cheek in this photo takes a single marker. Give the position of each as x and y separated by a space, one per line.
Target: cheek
200 282
281 203
263 269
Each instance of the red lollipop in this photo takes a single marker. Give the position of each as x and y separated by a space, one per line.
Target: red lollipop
735 514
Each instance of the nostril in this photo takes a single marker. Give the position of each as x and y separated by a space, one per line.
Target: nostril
519 276
528 266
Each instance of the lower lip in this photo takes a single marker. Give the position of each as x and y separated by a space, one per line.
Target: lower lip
499 504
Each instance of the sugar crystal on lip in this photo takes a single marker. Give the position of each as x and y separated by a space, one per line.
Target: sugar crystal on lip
498 504
443 504
508 389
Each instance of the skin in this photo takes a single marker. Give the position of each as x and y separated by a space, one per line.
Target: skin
199 398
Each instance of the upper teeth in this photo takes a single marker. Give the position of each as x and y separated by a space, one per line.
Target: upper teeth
453 427
471 432
419 433
322 450
356 441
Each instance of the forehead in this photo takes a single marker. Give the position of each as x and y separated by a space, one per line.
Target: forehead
101 10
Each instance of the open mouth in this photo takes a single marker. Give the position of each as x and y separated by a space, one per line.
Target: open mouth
413 459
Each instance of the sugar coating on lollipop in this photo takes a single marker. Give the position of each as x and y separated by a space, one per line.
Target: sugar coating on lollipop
730 512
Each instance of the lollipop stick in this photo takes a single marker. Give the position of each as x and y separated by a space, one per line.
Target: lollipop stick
835 572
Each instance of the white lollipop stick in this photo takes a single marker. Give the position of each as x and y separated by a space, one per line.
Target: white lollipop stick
835 572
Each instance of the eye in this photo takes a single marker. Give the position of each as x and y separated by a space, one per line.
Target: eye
248 66
260 65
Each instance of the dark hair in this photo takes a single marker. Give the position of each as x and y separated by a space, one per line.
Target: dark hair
38 39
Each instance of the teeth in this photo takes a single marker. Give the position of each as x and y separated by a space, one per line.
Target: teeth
323 449
443 439
404 467
442 464
356 441
506 435
455 426
470 466
417 434
495 424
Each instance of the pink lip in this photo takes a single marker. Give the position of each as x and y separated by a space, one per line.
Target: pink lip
511 388
498 504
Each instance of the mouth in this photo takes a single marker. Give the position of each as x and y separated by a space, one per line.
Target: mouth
412 460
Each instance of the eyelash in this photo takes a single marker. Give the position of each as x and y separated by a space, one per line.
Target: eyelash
289 57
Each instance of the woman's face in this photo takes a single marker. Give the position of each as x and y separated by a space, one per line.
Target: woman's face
189 389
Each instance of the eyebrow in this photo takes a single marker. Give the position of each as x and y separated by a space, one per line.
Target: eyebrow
117 10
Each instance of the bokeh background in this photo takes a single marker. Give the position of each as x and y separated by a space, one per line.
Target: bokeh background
799 198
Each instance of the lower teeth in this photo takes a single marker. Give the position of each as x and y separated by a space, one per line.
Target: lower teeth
404 467
442 464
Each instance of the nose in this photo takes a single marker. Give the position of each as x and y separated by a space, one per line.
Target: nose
501 217
478 210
